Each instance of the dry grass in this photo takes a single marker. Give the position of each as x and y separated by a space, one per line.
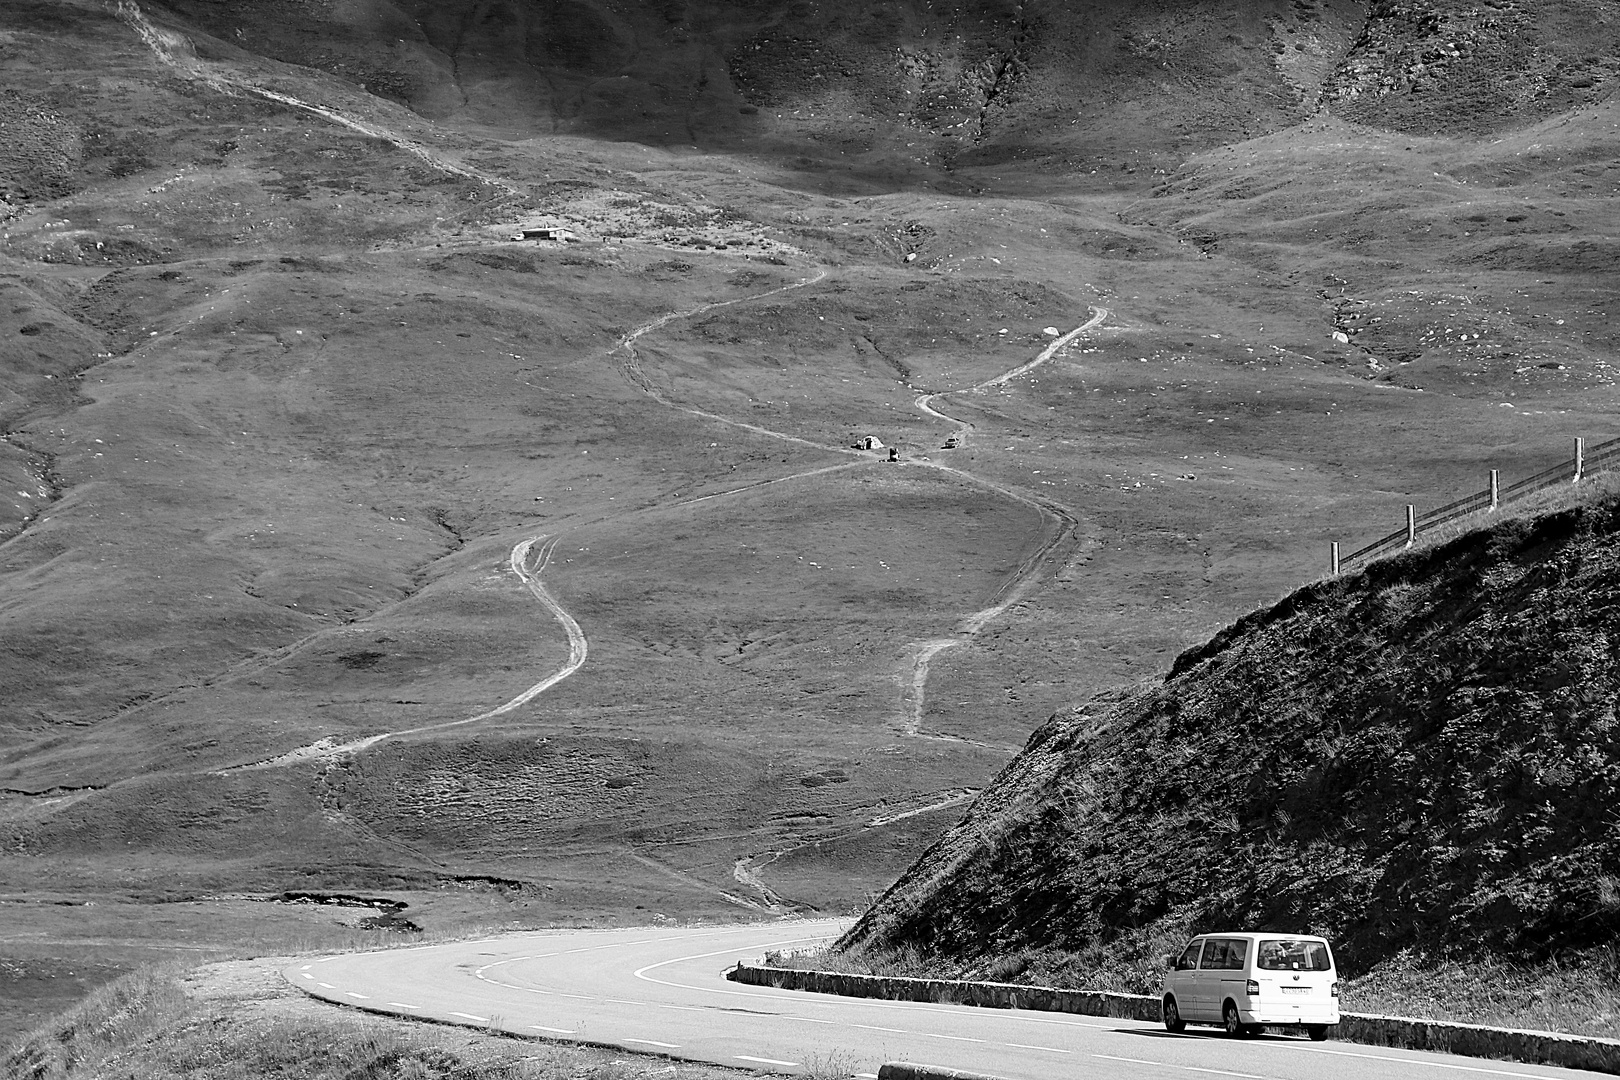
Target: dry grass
1578 993
236 1021
107 1022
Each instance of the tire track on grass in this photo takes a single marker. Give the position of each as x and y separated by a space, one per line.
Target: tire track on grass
636 374
1018 585
528 562
964 427
519 560
913 692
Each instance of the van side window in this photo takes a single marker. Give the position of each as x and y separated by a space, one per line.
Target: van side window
1237 951
1189 957
1214 950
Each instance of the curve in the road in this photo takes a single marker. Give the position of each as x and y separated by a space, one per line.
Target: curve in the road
662 990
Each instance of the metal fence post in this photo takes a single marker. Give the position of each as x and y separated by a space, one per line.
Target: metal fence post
1335 558
1496 489
1411 525
1580 458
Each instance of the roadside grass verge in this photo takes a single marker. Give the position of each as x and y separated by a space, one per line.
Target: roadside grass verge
108 1021
238 1020
1573 994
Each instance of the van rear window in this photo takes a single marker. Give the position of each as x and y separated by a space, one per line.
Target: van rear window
1287 955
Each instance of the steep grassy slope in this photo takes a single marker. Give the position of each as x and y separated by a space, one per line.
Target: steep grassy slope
1420 757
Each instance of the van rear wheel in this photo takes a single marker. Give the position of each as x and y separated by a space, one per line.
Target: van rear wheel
1317 1032
1172 1016
1233 1023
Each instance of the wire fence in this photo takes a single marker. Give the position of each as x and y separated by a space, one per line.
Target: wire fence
1600 458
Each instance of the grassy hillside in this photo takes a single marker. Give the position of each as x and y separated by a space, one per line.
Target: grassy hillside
279 396
1416 759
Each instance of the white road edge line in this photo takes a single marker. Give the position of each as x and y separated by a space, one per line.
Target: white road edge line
767 1061
1420 1061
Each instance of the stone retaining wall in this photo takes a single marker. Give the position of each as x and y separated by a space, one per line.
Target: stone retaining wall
1472 1040
987 995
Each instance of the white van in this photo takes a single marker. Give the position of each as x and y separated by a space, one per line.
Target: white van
1244 982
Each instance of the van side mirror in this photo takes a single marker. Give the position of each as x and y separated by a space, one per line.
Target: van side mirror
1170 960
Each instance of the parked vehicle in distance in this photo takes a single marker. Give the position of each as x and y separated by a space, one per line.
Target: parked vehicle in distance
1245 982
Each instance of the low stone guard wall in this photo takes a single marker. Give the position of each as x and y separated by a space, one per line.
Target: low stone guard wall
1470 1040
987 995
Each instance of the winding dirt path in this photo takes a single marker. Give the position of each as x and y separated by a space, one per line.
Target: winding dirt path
1063 520
963 427
913 691
528 560
634 372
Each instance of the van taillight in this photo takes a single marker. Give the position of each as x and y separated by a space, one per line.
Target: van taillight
1253 987
1335 990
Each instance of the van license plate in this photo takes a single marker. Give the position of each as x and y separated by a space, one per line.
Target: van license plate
1296 989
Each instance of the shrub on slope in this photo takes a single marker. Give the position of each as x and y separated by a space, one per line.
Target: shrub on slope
1422 756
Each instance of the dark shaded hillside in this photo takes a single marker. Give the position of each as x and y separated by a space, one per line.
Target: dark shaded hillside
1081 84
1424 756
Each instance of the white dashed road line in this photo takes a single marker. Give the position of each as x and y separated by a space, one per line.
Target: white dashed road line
470 1016
559 1031
1046 1049
768 1061
402 1005
326 986
351 993
651 1042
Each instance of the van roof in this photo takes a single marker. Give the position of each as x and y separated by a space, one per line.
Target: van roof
1256 934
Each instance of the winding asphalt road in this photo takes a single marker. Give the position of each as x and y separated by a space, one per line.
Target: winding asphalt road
662 990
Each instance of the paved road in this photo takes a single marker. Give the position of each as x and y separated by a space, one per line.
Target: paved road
662 990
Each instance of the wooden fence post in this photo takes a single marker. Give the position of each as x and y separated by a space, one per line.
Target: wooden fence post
1411 524
1580 458
1496 489
1335 558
